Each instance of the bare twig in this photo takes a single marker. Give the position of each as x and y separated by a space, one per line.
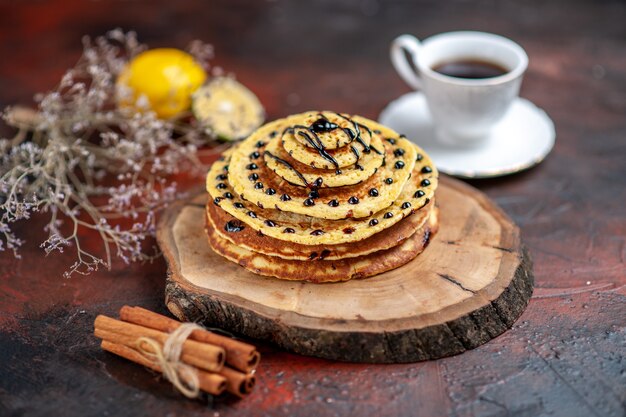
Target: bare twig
62 155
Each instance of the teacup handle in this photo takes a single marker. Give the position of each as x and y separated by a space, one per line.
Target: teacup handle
399 60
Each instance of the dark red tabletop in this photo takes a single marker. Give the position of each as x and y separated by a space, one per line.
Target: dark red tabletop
565 355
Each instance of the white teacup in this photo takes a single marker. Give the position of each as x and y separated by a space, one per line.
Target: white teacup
463 109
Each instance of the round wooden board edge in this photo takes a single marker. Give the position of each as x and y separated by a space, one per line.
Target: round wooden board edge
191 303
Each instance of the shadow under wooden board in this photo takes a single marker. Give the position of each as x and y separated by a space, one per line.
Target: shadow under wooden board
468 286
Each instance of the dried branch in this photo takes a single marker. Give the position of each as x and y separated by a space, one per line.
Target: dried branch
91 166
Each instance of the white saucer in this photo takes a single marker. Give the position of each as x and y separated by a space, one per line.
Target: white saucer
522 139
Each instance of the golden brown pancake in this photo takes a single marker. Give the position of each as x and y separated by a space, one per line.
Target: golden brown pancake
333 139
277 222
255 182
344 157
322 197
369 163
320 271
243 236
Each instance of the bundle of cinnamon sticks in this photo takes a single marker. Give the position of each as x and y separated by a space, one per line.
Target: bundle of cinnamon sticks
220 363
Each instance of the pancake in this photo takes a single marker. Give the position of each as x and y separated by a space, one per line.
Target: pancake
275 221
320 271
235 231
355 153
321 197
330 139
256 182
291 170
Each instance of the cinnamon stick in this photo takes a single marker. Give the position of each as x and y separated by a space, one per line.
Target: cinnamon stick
239 355
201 355
131 341
237 382
208 382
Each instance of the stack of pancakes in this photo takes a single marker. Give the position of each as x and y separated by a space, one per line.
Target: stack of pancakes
321 197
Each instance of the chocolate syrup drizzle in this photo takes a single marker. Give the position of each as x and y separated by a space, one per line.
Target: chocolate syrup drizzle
323 125
355 151
288 165
316 143
356 134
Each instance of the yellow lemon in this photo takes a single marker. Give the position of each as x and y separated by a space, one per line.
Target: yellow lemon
166 77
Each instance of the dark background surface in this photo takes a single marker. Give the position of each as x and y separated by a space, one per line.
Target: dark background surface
564 357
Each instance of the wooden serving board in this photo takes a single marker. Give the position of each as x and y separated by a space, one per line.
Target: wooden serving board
469 285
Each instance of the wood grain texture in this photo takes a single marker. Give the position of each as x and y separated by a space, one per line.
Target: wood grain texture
469 285
564 357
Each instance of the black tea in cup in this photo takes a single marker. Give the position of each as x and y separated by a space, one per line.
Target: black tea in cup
470 68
